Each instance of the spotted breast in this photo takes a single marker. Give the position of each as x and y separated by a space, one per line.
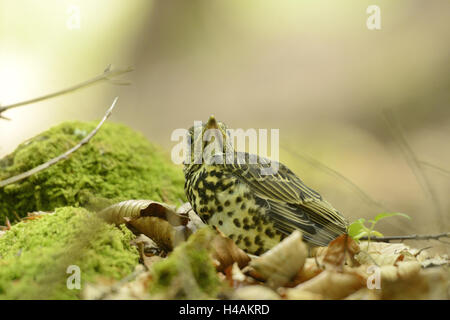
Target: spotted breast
222 201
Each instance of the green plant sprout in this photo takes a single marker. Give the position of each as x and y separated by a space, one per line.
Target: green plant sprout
358 229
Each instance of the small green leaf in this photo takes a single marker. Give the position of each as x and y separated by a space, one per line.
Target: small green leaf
360 235
356 228
390 214
376 233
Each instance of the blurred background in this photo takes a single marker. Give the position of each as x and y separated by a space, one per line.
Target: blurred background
309 68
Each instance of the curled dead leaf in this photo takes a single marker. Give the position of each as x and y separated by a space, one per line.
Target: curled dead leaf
133 209
338 250
281 263
226 252
330 284
164 234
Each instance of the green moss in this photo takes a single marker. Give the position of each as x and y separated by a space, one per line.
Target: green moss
117 164
188 272
34 255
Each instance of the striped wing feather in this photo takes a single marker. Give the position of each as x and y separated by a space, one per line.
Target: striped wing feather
291 204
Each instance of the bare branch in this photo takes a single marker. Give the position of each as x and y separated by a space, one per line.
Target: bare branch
408 237
435 167
60 157
319 165
107 75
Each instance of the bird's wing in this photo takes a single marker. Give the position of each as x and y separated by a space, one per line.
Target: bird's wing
291 204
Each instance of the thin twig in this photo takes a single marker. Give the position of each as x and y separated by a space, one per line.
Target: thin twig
408 237
316 163
63 156
413 162
106 75
435 167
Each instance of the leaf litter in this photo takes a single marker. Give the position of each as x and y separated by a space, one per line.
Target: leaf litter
345 269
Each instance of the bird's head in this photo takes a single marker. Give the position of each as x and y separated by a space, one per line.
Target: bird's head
208 139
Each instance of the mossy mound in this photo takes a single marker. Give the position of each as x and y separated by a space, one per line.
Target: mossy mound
35 254
117 164
188 272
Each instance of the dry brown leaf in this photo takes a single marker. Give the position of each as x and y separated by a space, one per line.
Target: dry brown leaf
236 278
383 254
310 269
134 209
427 284
226 252
337 252
165 235
281 263
330 285
156 220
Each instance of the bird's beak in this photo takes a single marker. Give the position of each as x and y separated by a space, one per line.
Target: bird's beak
212 123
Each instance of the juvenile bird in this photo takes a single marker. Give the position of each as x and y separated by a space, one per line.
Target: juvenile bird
256 210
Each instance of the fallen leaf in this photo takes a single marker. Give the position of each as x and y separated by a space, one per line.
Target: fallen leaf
337 251
226 252
165 235
310 269
134 209
330 284
383 254
281 263
427 284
